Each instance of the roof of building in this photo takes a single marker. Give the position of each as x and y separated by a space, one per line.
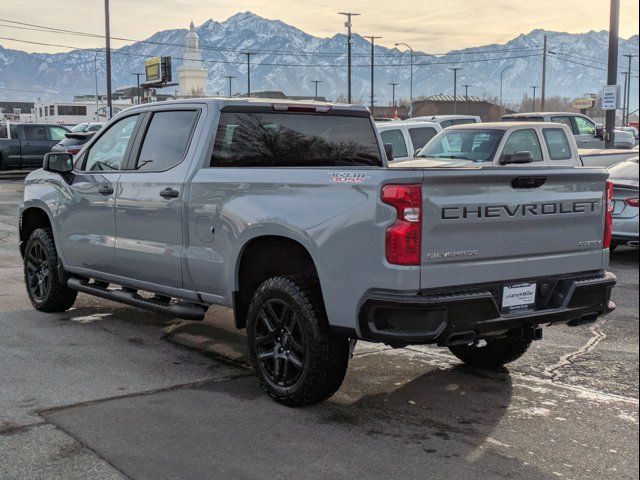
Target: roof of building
451 98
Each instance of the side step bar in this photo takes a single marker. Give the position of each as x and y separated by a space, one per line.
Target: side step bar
187 311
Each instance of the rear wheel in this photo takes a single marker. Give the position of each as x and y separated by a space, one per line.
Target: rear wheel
44 288
296 357
495 353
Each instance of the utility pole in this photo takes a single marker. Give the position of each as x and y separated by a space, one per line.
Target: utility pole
248 54
95 71
612 69
543 89
349 43
533 106
501 101
138 75
410 77
315 96
466 98
627 90
230 79
108 56
372 38
393 94
455 88
624 99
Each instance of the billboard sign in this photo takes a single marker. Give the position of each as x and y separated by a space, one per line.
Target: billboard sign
153 69
583 103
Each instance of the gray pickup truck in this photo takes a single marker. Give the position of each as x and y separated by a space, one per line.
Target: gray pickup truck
23 145
288 213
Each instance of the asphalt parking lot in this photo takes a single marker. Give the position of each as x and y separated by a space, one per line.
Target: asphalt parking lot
106 391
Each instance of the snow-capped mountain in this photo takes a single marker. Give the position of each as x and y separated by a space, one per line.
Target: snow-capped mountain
286 58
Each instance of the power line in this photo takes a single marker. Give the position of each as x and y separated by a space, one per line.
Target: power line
204 46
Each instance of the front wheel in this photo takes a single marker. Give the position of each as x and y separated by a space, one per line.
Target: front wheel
44 288
495 353
297 358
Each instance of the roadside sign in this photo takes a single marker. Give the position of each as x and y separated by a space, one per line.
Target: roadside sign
583 103
610 97
152 68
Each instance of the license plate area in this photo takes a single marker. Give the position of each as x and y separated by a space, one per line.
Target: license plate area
518 297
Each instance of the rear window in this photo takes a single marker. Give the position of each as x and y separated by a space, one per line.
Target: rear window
73 141
252 139
462 121
522 119
421 135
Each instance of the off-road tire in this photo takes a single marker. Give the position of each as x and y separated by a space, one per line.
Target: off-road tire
57 297
494 354
326 355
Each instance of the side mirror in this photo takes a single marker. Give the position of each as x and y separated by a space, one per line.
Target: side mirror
599 131
523 156
58 162
388 149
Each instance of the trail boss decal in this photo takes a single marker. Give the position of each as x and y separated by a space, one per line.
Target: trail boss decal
348 177
521 210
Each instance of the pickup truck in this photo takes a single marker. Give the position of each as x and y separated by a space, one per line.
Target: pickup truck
407 139
288 213
499 143
23 145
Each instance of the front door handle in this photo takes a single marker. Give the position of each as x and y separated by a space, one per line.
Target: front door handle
169 193
105 189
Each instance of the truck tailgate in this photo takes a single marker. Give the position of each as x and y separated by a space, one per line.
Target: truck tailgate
495 224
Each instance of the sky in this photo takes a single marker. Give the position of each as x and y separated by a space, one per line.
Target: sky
428 25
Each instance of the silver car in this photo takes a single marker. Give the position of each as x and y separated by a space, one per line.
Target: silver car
624 176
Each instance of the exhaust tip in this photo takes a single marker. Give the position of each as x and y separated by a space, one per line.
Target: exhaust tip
461 338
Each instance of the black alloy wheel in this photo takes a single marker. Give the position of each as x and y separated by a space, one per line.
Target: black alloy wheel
38 271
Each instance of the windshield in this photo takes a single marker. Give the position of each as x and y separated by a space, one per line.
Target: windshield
473 145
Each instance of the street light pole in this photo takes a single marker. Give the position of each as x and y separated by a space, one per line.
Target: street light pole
230 78
108 56
455 88
315 96
393 94
624 98
349 42
533 107
410 77
627 87
543 89
466 98
372 38
501 74
138 75
95 69
612 68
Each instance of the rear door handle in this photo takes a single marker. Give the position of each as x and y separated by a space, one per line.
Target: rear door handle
105 189
169 193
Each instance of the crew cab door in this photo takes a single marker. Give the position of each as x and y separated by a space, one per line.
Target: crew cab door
87 216
150 197
585 133
34 143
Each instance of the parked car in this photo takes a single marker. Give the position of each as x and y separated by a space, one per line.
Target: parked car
448 120
624 177
72 142
87 127
500 143
633 131
588 134
23 145
406 139
287 212
598 157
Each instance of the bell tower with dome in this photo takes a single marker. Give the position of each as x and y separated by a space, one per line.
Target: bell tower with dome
192 75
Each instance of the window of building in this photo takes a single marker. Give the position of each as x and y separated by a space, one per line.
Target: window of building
72 110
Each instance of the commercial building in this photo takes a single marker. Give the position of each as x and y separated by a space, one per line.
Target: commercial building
71 113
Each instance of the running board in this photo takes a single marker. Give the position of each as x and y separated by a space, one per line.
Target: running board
187 311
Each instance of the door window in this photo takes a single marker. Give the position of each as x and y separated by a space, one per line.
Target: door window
523 141
563 119
34 132
166 140
396 139
558 144
585 127
57 133
420 136
108 153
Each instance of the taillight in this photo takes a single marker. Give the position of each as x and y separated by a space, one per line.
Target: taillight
632 202
608 221
404 238
73 151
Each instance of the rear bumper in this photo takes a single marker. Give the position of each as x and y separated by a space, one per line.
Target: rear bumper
440 316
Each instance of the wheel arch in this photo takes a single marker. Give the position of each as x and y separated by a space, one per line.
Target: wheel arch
32 218
263 257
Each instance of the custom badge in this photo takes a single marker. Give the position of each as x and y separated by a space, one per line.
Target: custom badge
348 177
